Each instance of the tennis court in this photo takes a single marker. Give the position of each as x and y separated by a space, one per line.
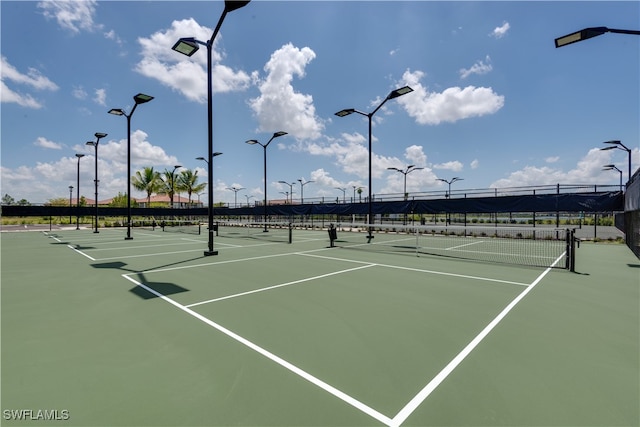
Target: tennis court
98 330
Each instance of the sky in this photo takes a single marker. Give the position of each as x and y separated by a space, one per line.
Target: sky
493 103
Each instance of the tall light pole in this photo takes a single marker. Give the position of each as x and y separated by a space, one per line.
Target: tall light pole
70 201
290 189
173 185
344 193
189 46
302 184
588 33
140 98
209 162
98 136
454 179
248 197
264 146
79 156
613 167
405 172
235 194
620 146
393 94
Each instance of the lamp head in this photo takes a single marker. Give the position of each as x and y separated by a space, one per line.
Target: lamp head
117 111
141 98
345 112
279 133
231 5
100 135
186 46
399 92
217 153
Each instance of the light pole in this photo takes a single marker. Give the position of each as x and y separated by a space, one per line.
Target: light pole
393 94
248 197
454 179
264 146
189 46
70 201
211 251
620 146
613 167
98 135
79 156
405 172
290 189
448 195
344 193
302 184
140 98
588 33
235 195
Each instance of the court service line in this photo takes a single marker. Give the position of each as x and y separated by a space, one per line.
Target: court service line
453 364
461 246
295 282
287 365
420 270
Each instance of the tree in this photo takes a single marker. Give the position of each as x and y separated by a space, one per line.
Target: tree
7 200
24 202
59 201
168 184
120 201
149 181
188 181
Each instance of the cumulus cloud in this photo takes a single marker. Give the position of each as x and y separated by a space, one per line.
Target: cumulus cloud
32 79
450 105
553 159
101 96
279 106
45 143
74 16
475 163
454 166
479 67
187 75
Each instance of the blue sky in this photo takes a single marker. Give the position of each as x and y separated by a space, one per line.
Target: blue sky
494 102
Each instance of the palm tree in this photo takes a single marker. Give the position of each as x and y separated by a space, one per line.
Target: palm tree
148 180
188 181
168 185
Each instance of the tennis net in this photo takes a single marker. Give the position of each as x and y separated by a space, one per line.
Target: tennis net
266 231
530 246
187 226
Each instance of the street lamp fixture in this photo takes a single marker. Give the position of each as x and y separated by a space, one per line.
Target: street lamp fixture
79 156
613 167
188 46
620 146
302 184
405 172
290 189
140 98
342 113
588 33
264 146
344 193
235 195
454 179
98 135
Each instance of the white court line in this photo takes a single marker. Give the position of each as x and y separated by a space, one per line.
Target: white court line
148 255
444 373
291 367
295 282
420 270
145 246
81 253
462 246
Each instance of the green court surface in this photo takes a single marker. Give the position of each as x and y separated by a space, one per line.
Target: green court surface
102 331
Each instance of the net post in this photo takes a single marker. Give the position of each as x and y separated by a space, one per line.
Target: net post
290 232
572 262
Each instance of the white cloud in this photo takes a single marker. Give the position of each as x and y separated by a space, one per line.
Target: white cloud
78 92
101 97
474 164
500 31
479 67
588 170
33 79
450 105
279 106
45 143
552 159
71 15
454 166
187 75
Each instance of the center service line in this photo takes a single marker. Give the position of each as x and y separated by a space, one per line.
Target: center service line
291 367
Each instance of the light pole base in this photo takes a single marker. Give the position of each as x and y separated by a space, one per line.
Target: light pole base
128 238
210 253
96 231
